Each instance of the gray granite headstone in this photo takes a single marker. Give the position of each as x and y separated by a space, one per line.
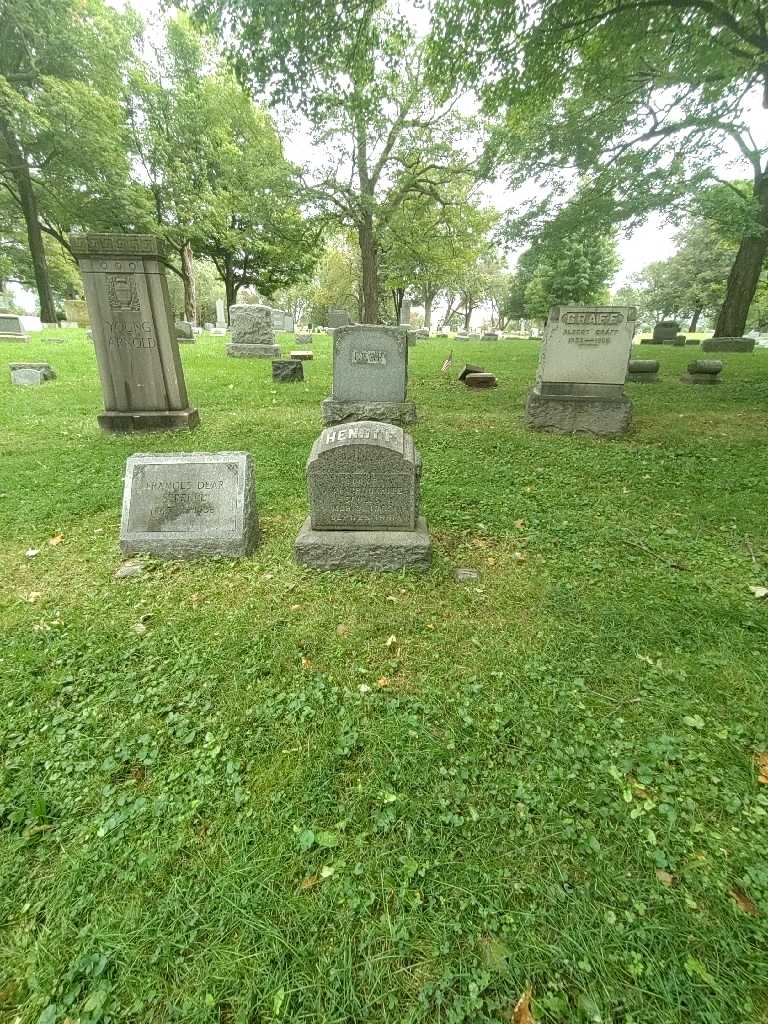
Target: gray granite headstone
31 373
666 331
728 345
189 505
221 323
405 312
703 371
582 368
338 318
253 334
287 371
370 375
137 352
643 371
11 328
185 332
363 480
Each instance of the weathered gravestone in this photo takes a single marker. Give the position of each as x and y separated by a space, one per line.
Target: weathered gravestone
253 335
643 371
666 331
337 318
490 336
363 480
195 505
480 381
703 371
728 345
30 374
136 348
583 363
185 332
286 371
370 376
11 328
77 311
221 323
304 354
405 312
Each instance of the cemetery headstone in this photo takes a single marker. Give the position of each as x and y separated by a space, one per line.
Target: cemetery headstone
703 371
287 371
142 380
221 323
490 336
480 381
11 328
185 333
643 371
30 374
728 345
253 336
579 386
302 354
665 331
405 312
370 376
337 318
77 311
195 505
363 480
470 368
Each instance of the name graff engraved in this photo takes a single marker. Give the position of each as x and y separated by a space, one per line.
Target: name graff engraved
369 357
590 317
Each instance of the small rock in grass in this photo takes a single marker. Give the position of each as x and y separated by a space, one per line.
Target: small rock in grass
130 569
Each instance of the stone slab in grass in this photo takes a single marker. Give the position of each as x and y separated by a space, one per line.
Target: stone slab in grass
189 505
11 328
643 371
703 371
31 373
728 345
287 371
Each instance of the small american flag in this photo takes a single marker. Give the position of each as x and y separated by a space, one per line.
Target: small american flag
448 363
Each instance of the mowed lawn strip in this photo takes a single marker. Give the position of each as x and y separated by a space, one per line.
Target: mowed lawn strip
239 792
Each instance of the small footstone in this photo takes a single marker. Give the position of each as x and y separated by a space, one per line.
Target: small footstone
643 371
31 373
466 575
703 371
470 368
287 371
304 356
480 380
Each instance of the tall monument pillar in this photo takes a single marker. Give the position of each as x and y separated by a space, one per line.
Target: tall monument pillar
142 379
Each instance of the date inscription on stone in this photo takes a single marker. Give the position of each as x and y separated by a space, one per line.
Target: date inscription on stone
168 498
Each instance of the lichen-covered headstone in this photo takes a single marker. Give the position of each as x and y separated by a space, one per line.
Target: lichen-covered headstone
370 376
189 505
253 336
30 374
287 371
363 480
11 328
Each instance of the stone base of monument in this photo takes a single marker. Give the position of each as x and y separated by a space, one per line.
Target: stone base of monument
703 371
380 550
245 351
728 345
335 411
598 410
144 422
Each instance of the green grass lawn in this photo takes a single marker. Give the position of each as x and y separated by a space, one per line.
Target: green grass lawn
390 798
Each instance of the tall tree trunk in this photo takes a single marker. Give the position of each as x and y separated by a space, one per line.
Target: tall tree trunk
695 319
370 265
468 307
231 288
745 272
398 294
190 289
429 298
28 199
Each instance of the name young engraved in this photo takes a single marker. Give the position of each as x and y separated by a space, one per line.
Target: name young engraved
369 357
131 334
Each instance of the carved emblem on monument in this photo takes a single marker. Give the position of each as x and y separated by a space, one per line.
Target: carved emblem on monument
123 295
